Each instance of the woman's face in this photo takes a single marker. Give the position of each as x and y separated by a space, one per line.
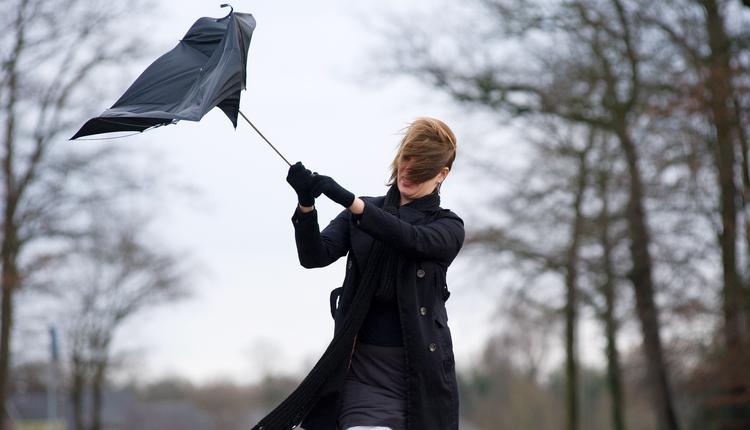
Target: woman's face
411 190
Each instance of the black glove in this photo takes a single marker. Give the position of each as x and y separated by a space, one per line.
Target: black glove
300 179
322 184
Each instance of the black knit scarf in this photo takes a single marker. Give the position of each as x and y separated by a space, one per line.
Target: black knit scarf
374 282
388 260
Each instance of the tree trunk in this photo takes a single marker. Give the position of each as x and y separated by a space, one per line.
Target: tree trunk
571 365
571 305
9 248
720 101
614 382
8 286
642 279
745 208
77 390
9 281
734 388
97 386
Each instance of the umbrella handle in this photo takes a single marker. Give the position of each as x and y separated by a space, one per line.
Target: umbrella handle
264 138
231 9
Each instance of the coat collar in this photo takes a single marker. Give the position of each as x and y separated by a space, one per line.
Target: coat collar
428 203
415 209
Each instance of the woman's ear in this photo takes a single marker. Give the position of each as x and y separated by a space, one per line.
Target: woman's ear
444 173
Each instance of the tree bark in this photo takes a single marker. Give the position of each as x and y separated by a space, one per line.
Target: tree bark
718 83
8 285
745 206
571 303
97 386
77 390
642 279
9 247
614 382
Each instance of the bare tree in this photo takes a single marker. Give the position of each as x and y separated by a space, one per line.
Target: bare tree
603 178
588 71
539 193
113 275
709 89
572 263
50 50
719 100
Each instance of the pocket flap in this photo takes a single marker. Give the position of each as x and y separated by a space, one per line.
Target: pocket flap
441 316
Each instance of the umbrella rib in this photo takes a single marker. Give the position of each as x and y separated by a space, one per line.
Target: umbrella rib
264 137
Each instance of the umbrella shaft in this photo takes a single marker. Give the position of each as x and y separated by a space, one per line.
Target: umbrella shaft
264 138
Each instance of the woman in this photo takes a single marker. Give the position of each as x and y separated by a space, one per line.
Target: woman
390 364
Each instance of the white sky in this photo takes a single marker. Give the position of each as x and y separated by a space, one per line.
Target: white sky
254 307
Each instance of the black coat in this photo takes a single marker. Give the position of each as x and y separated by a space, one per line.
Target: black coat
429 238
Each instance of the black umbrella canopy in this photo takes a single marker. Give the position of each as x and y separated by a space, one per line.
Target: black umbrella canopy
205 69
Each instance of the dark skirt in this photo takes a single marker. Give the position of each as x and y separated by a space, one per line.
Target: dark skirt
374 392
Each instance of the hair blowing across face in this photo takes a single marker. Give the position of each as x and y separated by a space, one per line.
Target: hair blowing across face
430 145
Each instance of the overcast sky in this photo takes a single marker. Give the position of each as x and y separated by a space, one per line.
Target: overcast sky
254 308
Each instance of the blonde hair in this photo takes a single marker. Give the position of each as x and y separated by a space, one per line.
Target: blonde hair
432 146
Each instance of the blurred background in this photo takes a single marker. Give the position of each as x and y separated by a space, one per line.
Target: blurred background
603 174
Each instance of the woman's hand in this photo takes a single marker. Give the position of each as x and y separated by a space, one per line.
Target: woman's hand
322 184
300 179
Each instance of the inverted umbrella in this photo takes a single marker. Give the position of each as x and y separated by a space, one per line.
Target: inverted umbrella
205 70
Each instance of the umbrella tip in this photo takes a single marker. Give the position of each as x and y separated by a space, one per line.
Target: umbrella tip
231 11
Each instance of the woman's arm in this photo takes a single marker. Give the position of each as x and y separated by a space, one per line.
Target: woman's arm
439 240
317 248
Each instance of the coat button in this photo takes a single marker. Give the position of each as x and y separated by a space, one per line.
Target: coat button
420 273
432 347
423 310
349 264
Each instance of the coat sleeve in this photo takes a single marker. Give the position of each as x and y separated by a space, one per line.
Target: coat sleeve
439 240
317 248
